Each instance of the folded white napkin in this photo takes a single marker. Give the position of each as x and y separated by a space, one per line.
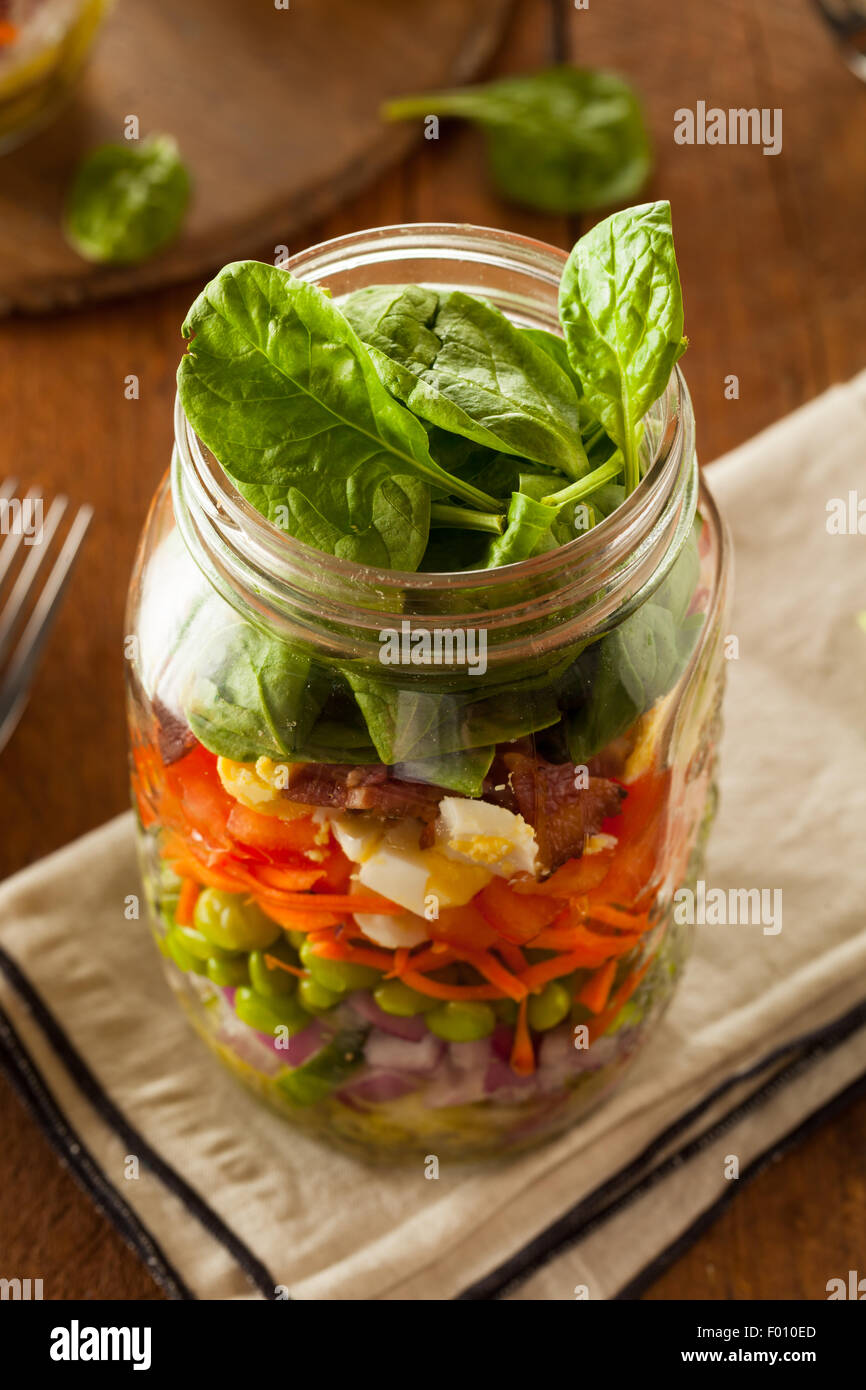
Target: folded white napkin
767 1031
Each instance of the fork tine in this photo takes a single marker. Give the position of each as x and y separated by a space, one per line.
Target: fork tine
13 540
16 682
29 570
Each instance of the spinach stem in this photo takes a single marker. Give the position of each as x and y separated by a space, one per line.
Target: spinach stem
443 514
585 487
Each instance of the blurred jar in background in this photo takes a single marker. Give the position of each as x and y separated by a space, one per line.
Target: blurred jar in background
43 45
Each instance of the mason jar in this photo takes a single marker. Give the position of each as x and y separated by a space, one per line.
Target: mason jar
43 46
411 841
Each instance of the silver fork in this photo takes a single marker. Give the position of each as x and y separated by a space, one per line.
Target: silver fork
29 611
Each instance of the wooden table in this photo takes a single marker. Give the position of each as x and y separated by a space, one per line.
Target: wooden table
772 258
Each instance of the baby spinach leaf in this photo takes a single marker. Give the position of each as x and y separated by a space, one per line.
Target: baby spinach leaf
252 696
621 676
622 312
280 388
127 201
562 140
528 528
462 772
463 366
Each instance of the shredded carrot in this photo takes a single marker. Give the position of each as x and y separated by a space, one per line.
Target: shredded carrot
522 1051
614 916
8 32
512 955
596 991
187 898
488 966
274 963
283 879
623 994
431 958
358 955
400 961
293 920
438 990
547 970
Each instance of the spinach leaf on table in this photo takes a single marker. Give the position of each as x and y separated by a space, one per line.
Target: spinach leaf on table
127 201
563 140
279 387
463 366
621 308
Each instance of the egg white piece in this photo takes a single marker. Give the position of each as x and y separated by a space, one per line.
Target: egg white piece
478 833
393 932
419 878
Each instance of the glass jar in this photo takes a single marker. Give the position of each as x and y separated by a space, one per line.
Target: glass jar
411 841
43 45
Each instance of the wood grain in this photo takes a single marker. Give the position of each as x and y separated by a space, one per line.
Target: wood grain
773 265
269 145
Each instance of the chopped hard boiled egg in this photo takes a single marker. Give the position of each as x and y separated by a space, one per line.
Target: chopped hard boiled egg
419 879
258 787
357 834
393 932
476 832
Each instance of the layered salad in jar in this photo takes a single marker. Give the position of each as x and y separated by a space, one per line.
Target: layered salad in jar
415 910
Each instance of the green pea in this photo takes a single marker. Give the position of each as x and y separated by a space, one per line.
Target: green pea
338 975
267 1015
459 1022
177 952
233 923
506 1010
297 938
393 997
227 972
548 1008
316 998
269 980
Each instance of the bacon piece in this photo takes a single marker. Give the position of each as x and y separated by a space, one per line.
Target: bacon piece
562 814
368 788
174 737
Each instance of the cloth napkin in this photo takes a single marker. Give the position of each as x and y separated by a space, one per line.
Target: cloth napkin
766 1035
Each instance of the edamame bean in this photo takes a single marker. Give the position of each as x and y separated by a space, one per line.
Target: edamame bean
316 998
227 972
198 945
393 997
267 1015
271 981
233 923
338 975
461 1022
177 952
548 1008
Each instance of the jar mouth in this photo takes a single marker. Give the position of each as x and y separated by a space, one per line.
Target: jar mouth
636 543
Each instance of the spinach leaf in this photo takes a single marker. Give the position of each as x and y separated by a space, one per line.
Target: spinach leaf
462 772
463 366
408 724
622 312
528 528
562 140
127 201
621 676
279 387
252 696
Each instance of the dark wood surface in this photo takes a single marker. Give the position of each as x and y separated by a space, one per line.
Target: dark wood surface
772 255
241 88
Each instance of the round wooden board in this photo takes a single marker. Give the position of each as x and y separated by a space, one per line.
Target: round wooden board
275 111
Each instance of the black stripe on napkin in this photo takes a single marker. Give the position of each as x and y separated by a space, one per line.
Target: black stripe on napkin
255 1271
30 1086
611 1196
